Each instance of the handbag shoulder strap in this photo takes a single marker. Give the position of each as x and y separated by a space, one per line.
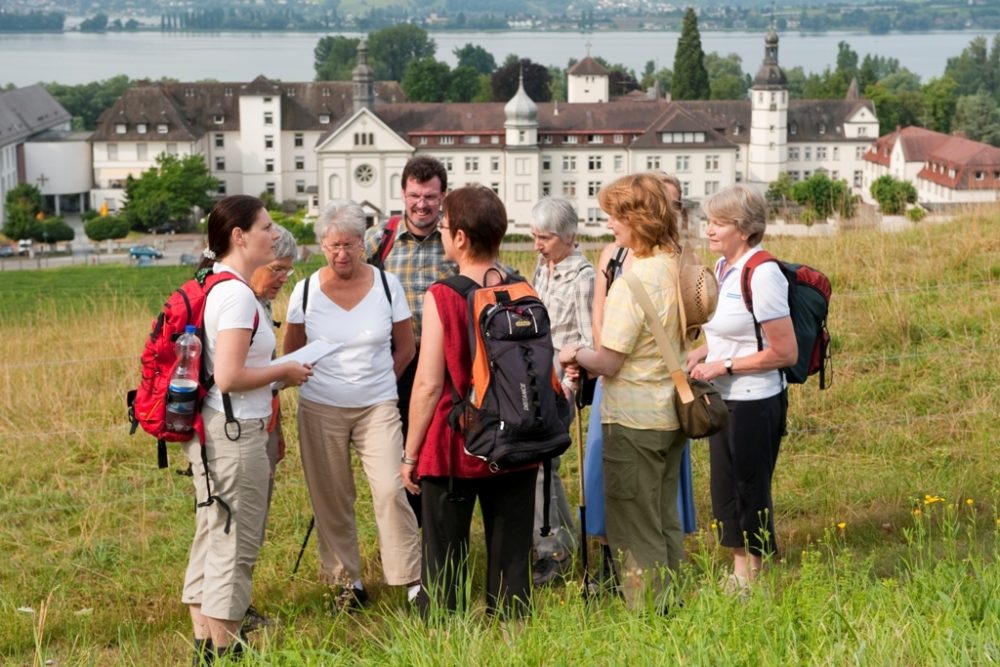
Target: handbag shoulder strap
656 327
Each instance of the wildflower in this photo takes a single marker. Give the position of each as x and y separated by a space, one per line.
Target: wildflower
930 500
917 512
715 524
841 526
969 502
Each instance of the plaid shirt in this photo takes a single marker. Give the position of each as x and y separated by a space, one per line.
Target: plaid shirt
568 294
417 262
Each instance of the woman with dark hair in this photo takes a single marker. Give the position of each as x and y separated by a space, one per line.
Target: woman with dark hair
435 463
643 443
238 348
748 376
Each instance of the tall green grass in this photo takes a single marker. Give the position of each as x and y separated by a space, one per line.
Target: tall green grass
886 495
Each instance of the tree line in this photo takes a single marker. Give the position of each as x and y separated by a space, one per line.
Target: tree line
33 21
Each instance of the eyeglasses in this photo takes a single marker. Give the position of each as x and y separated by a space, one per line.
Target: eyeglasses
433 200
287 272
340 247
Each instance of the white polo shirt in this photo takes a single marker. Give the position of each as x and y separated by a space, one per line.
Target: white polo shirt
730 333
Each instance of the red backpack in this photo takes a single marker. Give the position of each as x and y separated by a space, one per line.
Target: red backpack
147 404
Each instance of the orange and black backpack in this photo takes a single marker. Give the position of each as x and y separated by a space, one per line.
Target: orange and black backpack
515 413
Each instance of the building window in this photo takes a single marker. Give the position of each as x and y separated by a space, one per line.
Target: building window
300 162
269 187
522 166
836 152
595 139
793 153
794 175
422 141
228 92
685 188
472 165
793 128
112 151
570 139
807 153
546 188
267 100
862 131
120 128
364 174
711 163
569 163
522 192
835 175
593 187
806 174
446 141
569 188
220 164
446 162
141 152
220 141
859 152
547 163
268 141
857 178
494 164
652 162
298 140
470 139
682 163
595 163
300 187
546 139
141 128
980 175
171 149
221 190
619 162
162 128
269 118
218 119
619 138
595 215
495 139
711 187
269 164
739 177
495 187
324 119
821 152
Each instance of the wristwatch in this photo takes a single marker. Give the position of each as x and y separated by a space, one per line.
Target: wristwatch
728 363
407 461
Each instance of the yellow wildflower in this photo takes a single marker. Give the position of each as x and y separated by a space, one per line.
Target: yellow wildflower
842 525
969 502
930 500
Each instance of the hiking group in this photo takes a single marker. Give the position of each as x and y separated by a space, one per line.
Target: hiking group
452 379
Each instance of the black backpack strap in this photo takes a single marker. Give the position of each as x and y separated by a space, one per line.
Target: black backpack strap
611 270
385 285
546 529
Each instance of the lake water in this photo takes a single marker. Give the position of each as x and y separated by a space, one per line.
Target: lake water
78 58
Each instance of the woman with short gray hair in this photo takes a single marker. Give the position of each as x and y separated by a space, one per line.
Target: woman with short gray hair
363 311
564 280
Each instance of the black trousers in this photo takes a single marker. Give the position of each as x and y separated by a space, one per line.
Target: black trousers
742 458
404 387
507 501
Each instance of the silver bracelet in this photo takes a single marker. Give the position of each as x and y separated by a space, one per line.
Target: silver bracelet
407 461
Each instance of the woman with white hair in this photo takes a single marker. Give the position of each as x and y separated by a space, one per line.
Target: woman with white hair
353 401
564 280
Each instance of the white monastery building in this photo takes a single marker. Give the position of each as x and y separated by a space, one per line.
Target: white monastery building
313 142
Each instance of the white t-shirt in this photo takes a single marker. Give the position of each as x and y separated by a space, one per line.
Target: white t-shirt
730 333
232 305
359 373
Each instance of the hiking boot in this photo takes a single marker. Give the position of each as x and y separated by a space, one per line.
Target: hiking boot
545 570
350 598
254 620
204 653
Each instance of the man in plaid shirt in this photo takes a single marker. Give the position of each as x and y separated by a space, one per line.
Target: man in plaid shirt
415 256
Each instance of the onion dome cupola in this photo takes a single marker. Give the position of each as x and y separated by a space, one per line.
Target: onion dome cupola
770 76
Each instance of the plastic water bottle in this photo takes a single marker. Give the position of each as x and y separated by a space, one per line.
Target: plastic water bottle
182 395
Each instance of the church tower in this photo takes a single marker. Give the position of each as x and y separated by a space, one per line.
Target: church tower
768 117
363 80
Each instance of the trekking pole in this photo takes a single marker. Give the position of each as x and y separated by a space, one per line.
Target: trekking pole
579 402
309 530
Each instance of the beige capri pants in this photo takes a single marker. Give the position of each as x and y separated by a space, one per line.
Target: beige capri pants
220 565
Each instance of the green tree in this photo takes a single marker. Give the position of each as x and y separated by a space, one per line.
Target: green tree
168 191
975 67
940 102
475 57
824 196
899 100
978 118
463 84
85 102
728 81
98 23
536 80
334 58
892 195
22 205
690 81
107 227
779 192
391 49
53 230
426 80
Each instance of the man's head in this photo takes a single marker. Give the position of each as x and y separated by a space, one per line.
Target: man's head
268 280
425 180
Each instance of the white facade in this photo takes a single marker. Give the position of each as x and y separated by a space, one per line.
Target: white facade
768 151
114 161
587 88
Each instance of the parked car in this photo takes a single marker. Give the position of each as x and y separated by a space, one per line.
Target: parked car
137 251
24 247
166 228
6 251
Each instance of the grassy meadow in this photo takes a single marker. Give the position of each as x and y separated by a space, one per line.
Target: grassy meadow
887 495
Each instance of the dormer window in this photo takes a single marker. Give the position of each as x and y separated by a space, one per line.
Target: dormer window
267 100
822 128
161 128
141 128
793 128
324 119
189 92
228 92
495 139
447 140
120 128
218 119
470 139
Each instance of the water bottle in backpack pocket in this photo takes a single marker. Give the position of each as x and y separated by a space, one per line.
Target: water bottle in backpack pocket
182 392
